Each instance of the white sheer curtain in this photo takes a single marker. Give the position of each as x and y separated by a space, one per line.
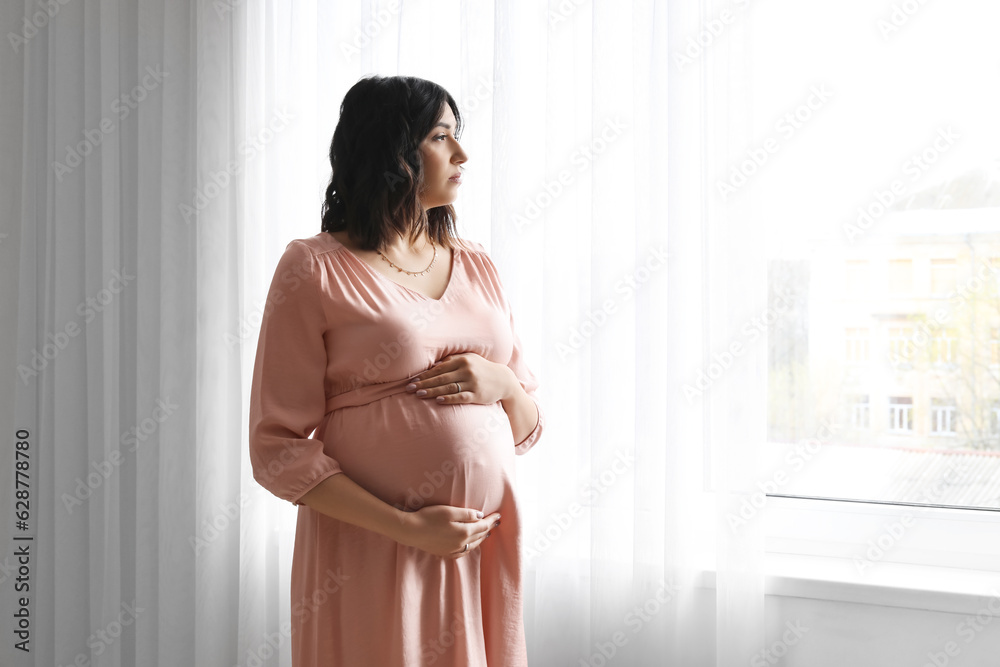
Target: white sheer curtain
157 157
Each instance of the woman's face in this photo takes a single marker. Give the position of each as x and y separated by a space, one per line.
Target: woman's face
442 156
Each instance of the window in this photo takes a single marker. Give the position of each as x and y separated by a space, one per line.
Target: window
900 414
923 213
943 346
860 412
900 277
857 345
942 416
901 345
943 276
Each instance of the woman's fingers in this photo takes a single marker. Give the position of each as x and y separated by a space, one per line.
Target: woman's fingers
479 528
478 531
472 546
442 385
471 530
469 517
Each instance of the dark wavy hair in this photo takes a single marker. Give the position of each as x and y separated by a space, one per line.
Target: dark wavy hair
377 168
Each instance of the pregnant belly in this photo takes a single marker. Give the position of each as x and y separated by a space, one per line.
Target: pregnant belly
412 452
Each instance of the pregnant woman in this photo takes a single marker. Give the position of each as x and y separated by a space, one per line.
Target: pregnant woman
389 398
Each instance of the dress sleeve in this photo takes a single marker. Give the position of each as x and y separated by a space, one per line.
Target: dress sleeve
287 395
517 362
530 385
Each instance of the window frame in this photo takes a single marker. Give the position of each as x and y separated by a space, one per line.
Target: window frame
951 537
861 408
935 536
903 408
857 345
946 414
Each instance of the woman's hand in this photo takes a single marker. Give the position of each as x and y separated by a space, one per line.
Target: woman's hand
445 531
465 378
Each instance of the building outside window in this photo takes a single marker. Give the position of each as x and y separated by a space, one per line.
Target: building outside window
901 345
943 413
900 277
860 412
901 413
943 346
943 276
918 266
994 418
857 344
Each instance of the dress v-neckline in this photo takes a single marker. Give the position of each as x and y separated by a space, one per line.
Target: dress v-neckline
447 288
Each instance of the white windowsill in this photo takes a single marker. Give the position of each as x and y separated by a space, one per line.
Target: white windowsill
959 591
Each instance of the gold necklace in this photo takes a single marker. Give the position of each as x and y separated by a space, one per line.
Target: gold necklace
411 273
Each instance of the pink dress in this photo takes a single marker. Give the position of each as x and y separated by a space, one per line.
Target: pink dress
338 344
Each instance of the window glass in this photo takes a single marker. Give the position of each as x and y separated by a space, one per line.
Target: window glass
878 189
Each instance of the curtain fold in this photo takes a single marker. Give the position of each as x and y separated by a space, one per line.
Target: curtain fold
158 156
